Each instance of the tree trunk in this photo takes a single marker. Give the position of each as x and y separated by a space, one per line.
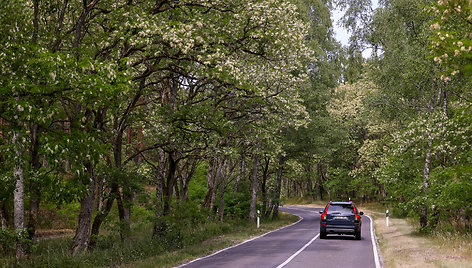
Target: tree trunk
101 215
181 178
100 196
176 185
252 211
319 187
265 175
224 175
160 182
35 199
210 182
19 198
287 188
217 177
114 194
82 233
242 170
127 201
34 187
35 190
309 183
278 188
123 198
467 220
186 179
169 188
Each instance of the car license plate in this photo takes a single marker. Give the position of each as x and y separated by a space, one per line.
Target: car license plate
341 218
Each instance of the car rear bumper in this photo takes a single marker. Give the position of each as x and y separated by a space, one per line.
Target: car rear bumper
339 229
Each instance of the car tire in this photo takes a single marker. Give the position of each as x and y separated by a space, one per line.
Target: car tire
322 235
358 235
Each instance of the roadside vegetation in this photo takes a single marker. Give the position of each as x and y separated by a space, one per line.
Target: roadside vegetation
189 235
402 245
163 123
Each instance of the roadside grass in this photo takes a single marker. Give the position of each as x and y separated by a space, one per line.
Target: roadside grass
401 244
238 234
140 250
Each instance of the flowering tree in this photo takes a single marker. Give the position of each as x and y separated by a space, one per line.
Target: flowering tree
451 40
77 76
412 86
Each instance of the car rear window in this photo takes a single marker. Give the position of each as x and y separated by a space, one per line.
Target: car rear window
343 208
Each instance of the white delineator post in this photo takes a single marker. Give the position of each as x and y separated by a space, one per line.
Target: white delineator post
258 218
386 215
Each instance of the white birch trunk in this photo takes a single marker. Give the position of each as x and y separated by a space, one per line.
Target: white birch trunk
19 198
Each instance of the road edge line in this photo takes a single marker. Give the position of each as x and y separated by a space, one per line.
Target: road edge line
375 248
244 242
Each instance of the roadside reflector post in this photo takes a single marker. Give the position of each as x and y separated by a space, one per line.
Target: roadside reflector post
386 216
258 218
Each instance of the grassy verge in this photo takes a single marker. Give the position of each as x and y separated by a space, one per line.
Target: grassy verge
238 234
401 245
176 246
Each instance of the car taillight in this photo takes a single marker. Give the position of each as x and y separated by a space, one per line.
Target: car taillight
357 216
323 216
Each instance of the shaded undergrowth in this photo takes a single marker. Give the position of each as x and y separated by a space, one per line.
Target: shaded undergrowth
181 232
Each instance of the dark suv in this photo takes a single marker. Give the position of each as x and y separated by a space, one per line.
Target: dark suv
340 218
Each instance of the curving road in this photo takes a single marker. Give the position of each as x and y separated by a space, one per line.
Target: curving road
298 245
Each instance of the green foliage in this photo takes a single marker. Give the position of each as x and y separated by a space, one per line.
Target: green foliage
198 184
58 216
451 39
7 241
237 204
452 193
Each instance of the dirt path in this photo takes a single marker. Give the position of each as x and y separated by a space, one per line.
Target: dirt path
48 234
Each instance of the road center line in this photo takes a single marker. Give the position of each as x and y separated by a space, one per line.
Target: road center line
298 252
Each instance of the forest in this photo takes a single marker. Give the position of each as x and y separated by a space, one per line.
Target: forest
167 115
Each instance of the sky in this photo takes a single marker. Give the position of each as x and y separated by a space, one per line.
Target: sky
341 34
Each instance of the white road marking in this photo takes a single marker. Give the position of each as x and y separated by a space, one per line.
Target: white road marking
254 238
372 235
374 243
298 252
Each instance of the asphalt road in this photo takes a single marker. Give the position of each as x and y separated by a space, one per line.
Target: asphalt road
298 245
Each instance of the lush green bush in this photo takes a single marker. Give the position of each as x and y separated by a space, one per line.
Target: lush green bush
7 241
237 204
